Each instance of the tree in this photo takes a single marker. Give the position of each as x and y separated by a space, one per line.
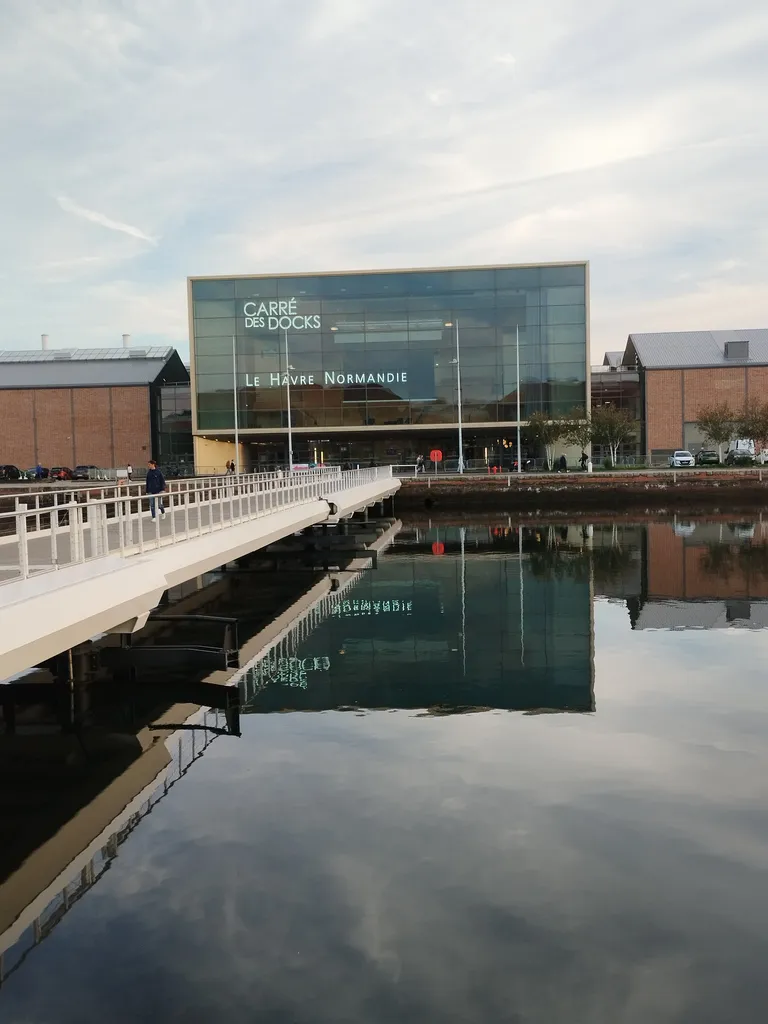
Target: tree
753 423
718 425
612 427
547 432
578 429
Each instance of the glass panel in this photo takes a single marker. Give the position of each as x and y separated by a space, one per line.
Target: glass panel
517 277
264 420
303 288
206 310
557 354
213 382
473 300
214 290
264 397
256 288
354 413
425 303
432 412
388 413
218 364
568 334
221 327
426 283
210 347
560 276
478 412
337 311
566 371
563 314
472 280
568 295
359 286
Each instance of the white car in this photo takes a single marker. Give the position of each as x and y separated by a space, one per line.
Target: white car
679 459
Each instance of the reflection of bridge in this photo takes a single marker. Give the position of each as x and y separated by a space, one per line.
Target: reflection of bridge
79 833
41 886
101 565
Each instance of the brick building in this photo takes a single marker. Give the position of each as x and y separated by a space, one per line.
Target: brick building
682 372
105 407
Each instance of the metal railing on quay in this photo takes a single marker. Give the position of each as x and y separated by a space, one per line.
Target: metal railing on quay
78 526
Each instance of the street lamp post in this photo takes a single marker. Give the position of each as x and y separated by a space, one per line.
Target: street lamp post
288 395
457 361
234 399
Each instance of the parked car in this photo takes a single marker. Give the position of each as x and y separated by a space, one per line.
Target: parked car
679 459
739 457
32 474
742 531
684 528
708 457
61 473
85 472
741 452
10 473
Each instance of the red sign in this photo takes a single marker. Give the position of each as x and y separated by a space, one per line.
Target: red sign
438 548
436 455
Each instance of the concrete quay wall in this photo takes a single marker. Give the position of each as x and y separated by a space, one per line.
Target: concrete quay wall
685 489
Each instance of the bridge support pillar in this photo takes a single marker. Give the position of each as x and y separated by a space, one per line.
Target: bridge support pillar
132 625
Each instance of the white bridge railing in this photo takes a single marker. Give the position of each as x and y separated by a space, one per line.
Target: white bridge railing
49 530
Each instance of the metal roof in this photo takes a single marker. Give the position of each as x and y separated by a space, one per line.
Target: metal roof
613 358
680 349
83 367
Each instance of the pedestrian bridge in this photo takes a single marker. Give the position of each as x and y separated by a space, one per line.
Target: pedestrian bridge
74 564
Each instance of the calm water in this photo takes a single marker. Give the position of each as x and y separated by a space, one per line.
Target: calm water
515 778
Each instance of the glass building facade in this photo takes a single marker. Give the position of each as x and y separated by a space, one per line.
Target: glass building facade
373 361
173 419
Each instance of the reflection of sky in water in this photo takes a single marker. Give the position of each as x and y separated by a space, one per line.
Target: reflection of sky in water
383 866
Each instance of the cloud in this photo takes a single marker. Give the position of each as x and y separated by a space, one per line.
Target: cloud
100 218
324 134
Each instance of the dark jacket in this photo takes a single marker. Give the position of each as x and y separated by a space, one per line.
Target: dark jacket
155 482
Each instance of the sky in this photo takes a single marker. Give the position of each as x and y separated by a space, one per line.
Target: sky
148 140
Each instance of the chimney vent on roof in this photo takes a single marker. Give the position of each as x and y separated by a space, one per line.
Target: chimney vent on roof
126 341
737 350
44 342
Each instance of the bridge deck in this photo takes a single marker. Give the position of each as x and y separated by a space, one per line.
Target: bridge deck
116 584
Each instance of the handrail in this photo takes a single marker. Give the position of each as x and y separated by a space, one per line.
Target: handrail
46 538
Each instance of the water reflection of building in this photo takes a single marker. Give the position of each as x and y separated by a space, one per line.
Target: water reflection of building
705 576
686 574
457 619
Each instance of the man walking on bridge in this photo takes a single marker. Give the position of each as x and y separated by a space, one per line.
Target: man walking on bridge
155 487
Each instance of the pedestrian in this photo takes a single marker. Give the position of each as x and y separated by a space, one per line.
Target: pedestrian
419 463
129 471
231 467
226 468
155 487
38 472
584 460
563 464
